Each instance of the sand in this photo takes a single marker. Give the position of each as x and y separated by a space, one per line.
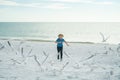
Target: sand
34 60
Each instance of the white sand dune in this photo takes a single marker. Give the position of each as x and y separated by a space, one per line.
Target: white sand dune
26 60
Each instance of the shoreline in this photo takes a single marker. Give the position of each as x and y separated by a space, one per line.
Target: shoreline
41 40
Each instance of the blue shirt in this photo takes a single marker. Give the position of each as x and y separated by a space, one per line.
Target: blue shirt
60 42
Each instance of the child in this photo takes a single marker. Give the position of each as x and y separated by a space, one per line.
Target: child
59 42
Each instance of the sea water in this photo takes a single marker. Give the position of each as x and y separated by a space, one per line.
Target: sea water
73 31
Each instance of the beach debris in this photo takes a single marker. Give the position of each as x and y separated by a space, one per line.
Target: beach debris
30 51
45 58
76 62
104 39
118 49
35 58
12 48
45 53
110 49
63 67
66 54
22 54
9 43
15 61
111 73
1 47
88 58
20 45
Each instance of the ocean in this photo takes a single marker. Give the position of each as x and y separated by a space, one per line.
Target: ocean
73 31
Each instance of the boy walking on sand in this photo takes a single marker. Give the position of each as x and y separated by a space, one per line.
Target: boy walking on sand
59 42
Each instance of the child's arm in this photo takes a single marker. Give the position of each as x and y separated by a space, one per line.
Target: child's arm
56 41
66 43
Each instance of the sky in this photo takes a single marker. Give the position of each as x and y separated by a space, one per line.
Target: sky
59 10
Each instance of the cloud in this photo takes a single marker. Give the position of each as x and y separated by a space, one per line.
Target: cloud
34 5
9 3
104 3
85 1
74 1
56 6
12 3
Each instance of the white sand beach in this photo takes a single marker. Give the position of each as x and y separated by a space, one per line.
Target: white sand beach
30 60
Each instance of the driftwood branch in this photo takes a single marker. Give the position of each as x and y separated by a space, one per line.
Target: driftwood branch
10 45
22 54
15 61
118 49
45 53
1 46
71 58
87 58
30 52
35 58
66 54
45 58
63 67
104 39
